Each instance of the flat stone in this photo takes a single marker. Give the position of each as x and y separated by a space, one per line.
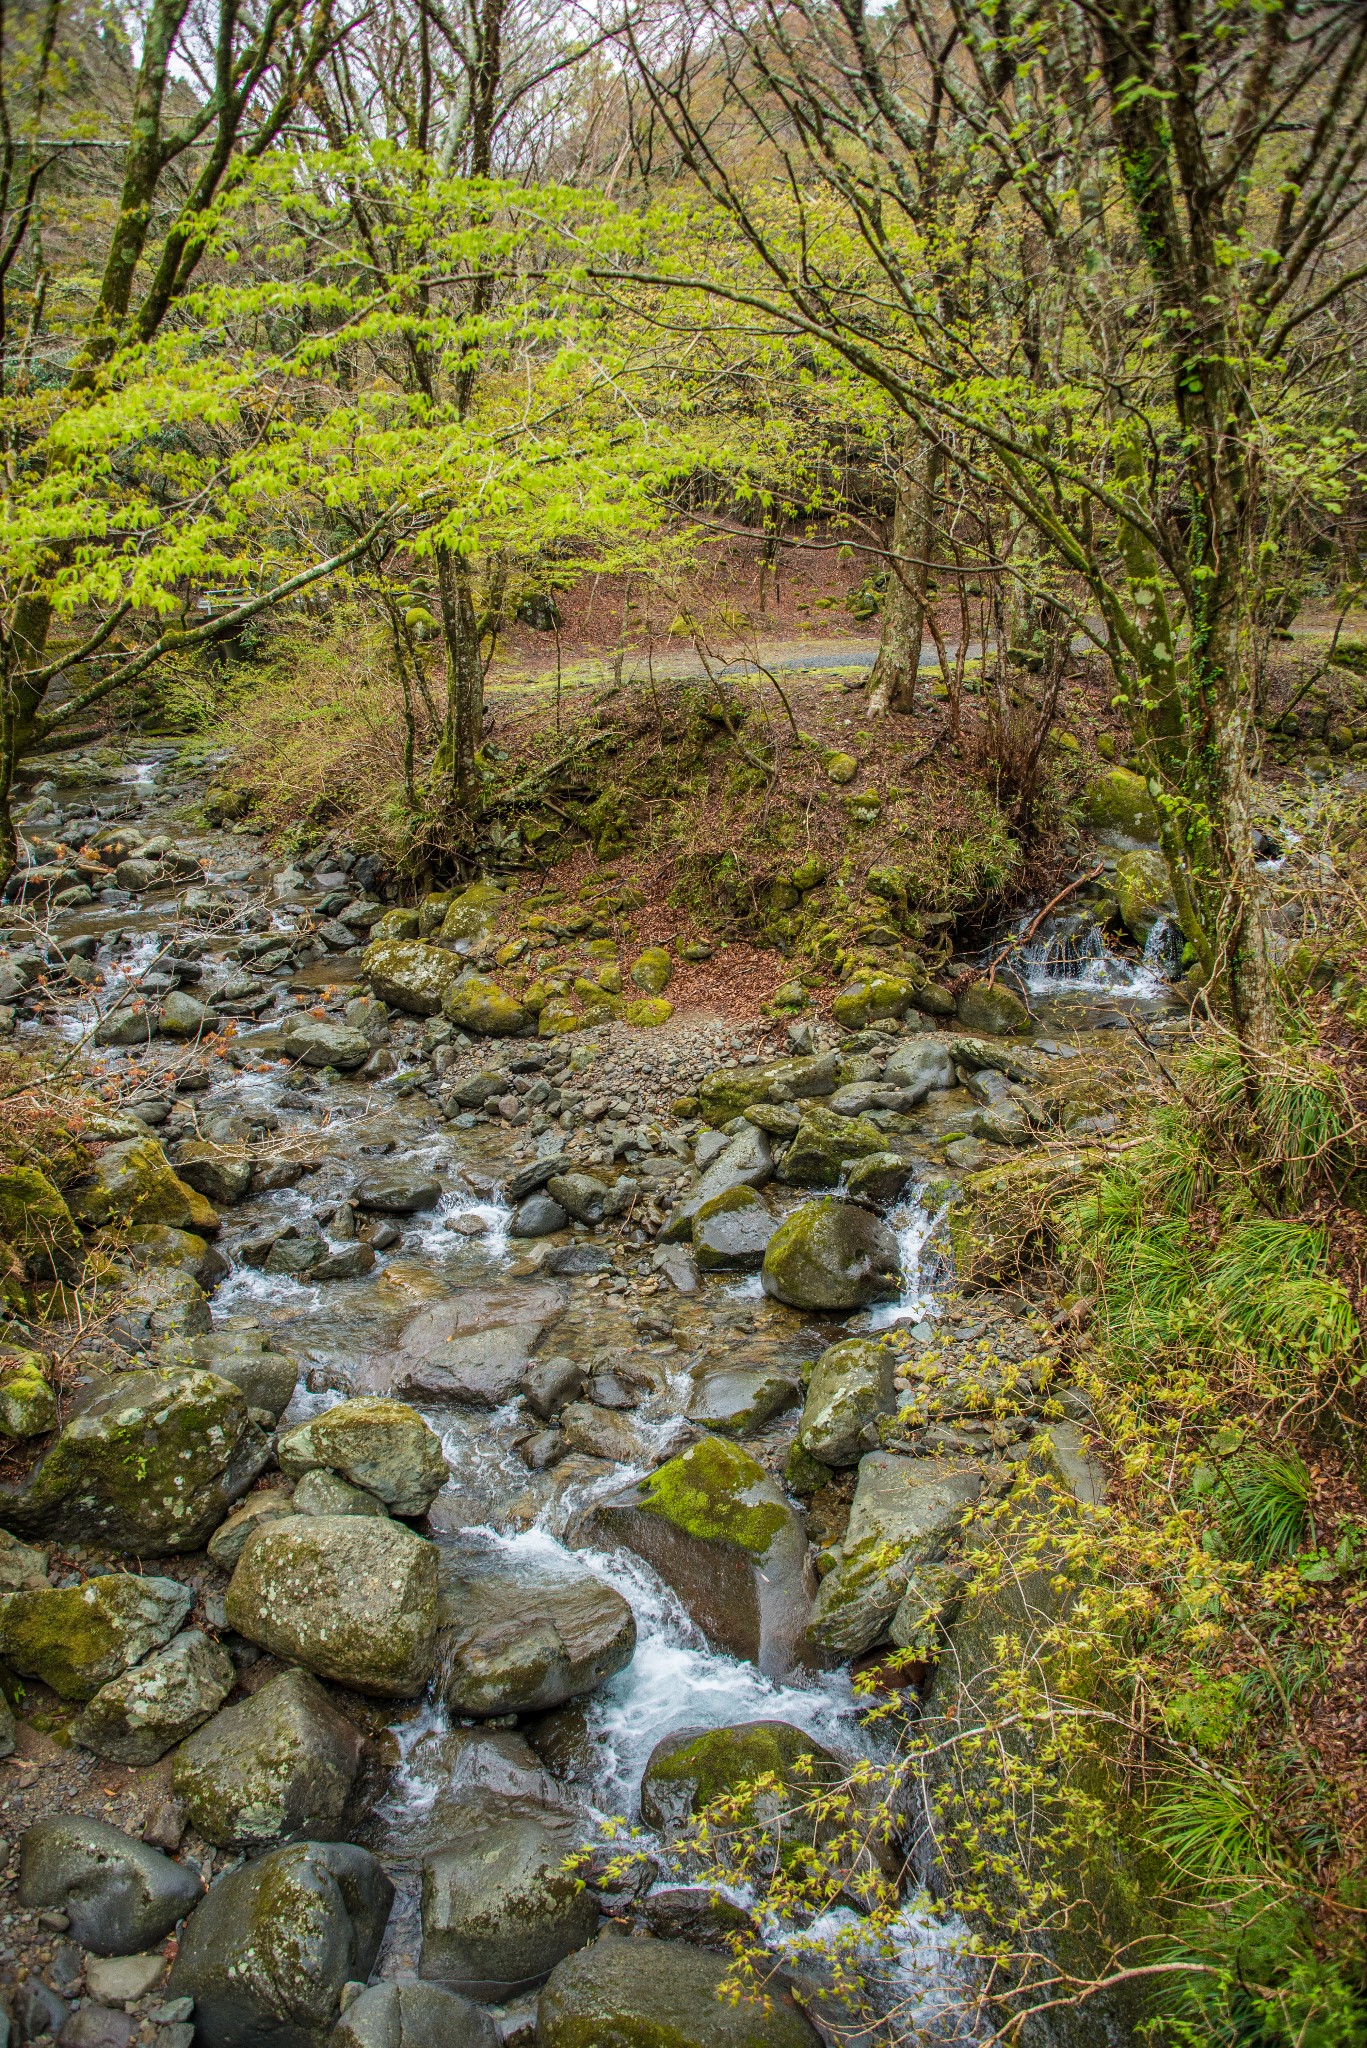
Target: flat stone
473 1347
316 1043
397 1191
740 1399
117 1980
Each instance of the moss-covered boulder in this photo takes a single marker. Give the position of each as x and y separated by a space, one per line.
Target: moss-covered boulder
878 1178
729 1091
644 1993
134 1182
648 1012
651 969
246 1357
810 872
280 1763
850 1387
832 1255
870 998
409 975
395 924
739 1400
348 1597
823 1144
222 1173
514 1640
996 1012
557 1016
414 2016
1007 1217
157 1244
36 1223
687 1770
476 1003
137 1717
150 1465
839 766
383 1446
907 1512
1143 892
28 1405
267 1954
731 1232
1119 803
474 913
319 1042
720 1532
76 1638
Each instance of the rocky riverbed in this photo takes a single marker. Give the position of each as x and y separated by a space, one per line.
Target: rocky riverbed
501 1411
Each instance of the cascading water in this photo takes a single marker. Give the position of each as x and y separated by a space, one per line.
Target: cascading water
1071 957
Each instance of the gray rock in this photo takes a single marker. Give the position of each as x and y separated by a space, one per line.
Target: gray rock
184 1016
316 1043
691 1767
731 1232
740 1399
397 1190
231 1537
878 1179
132 1023
350 1263
294 1251
602 1433
78 1638
409 975
580 1195
137 1717
499 1910
413 2016
516 1641
38 2011
150 1465
21 1567
320 1492
529 1179
549 1383
475 1346
907 1513
121 1979
919 1068
218 1171
120 1896
352 1599
247 1359
661 1994
995 1011
267 1954
382 1445
161 1305
8 1727
832 1255
746 1162
850 1387
538 1216
277 1764
157 1244
718 1530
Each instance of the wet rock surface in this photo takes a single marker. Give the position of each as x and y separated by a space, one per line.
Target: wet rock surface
396 1249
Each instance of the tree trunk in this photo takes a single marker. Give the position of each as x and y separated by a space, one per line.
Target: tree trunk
464 722
892 682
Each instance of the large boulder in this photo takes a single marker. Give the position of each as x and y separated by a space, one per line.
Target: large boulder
907 1512
277 1764
384 1446
515 1640
476 1003
731 1232
35 1222
247 1359
120 1896
832 1255
474 912
730 1091
500 1910
994 1010
920 1068
409 975
644 1993
351 1598
474 1347
1143 892
397 1189
315 1042
1118 803
690 1768
738 1400
850 1387
77 1638
745 1161
150 1465
223 1173
137 1717
157 1244
823 1144
718 1530
868 998
414 2016
134 1182
267 1954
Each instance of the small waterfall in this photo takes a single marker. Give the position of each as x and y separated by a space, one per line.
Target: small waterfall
924 1263
1071 957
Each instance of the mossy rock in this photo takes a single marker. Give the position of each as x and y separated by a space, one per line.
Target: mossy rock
1119 802
1143 891
77 1638
730 1091
832 1255
823 1143
839 766
648 1013
381 1445
556 1017
409 975
691 1768
720 1532
645 1993
279 1763
28 1406
809 873
474 913
36 1223
651 969
134 1182
432 911
477 1004
995 1012
1007 1217
150 1465
870 998
850 1387
395 924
